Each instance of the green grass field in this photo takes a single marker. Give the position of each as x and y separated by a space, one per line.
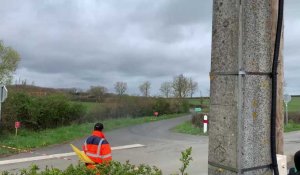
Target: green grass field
27 140
294 105
189 128
90 105
197 101
291 126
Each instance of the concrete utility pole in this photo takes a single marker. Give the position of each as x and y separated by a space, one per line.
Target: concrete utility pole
280 77
240 92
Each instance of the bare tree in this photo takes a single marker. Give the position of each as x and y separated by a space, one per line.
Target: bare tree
145 88
98 92
120 88
166 89
180 86
192 87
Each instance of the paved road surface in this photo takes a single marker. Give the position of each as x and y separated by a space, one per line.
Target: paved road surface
162 148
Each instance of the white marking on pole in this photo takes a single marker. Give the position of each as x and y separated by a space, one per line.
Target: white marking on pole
205 124
29 159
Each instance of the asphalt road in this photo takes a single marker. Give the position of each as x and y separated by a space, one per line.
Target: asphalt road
162 148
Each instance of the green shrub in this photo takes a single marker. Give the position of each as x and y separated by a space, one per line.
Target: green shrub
179 106
113 168
197 120
39 112
185 160
162 106
184 106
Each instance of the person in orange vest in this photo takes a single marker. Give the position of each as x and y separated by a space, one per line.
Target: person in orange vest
96 147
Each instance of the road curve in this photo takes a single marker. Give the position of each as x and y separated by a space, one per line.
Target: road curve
162 148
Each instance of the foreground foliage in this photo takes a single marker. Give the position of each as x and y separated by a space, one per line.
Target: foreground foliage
113 168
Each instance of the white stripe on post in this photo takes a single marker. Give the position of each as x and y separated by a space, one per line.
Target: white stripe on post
205 121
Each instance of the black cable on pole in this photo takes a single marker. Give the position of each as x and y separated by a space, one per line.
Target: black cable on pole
274 86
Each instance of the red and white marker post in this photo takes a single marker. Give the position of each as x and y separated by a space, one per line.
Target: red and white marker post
205 122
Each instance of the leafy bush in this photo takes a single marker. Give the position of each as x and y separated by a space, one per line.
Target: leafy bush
162 106
113 168
39 112
179 106
185 159
184 106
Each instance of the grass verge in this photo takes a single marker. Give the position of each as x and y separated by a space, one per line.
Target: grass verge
27 140
291 126
188 128
294 104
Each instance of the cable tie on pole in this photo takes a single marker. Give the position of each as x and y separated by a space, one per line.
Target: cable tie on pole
240 73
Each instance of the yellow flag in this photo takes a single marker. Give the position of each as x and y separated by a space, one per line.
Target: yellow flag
81 155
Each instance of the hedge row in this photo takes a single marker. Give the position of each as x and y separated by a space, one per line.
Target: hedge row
39 112
136 107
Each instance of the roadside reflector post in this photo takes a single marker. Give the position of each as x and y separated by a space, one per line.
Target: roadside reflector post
205 122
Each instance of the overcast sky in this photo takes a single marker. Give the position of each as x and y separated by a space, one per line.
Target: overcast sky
80 43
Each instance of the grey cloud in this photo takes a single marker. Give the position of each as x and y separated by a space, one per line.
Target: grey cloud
291 9
77 43
178 12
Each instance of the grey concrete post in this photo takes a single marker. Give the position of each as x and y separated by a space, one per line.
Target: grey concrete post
240 91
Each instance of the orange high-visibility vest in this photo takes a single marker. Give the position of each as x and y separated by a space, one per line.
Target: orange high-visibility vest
97 148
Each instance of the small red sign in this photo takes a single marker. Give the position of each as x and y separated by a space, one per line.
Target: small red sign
156 114
17 124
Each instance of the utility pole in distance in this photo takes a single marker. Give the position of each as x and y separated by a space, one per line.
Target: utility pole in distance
240 90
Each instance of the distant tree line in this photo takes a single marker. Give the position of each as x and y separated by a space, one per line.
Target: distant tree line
40 108
180 87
